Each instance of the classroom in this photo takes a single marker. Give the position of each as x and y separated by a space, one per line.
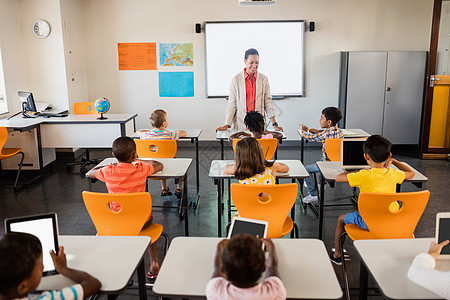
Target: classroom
80 61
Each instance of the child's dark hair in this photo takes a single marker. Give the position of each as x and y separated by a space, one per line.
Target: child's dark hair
377 147
123 147
249 52
243 260
19 253
157 118
254 121
249 159
333 114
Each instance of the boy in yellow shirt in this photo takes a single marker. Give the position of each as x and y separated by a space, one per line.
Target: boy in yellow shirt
380 178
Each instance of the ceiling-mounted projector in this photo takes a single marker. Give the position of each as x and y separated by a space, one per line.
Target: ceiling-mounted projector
256 2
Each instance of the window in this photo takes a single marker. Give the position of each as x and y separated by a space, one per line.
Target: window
3 103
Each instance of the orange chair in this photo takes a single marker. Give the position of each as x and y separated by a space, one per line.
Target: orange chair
156 148
333 149
383 223
275 210
269 146
84 108
6 153
136 208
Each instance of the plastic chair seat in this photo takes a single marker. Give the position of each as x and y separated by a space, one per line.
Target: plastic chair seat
357 233
153 230
9 152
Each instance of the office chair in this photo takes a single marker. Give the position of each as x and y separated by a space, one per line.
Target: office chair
6 153
274 210
383 223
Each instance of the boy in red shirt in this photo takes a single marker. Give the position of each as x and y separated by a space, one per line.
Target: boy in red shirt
129 176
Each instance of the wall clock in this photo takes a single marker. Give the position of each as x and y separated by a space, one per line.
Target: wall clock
41 29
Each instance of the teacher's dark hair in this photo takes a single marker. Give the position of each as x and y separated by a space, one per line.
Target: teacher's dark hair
250 51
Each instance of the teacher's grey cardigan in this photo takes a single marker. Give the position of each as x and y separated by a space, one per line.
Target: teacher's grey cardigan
237 104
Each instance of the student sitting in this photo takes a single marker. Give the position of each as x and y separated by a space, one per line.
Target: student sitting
328 119
422 271
21 270
379 178
255 124
251 167
129 176
238 266
158 120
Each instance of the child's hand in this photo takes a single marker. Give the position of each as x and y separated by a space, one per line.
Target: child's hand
267 242
143 130
305 128
59 260
435 249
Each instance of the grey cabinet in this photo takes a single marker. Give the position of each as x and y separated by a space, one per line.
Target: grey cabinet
382 93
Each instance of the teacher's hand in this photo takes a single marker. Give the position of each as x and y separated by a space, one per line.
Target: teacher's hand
278 128
222 128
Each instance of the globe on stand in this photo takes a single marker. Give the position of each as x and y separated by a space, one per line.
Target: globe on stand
101 105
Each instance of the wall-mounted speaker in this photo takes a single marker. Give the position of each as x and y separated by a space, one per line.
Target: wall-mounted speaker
198 28
312 26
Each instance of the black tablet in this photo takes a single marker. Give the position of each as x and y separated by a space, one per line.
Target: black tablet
250 226
443 232
44 227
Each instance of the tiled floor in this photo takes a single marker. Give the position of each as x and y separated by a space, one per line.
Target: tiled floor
60 191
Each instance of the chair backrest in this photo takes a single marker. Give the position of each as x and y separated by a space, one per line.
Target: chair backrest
136 208
275 210
333 149
385 224
3 138
80 108
156 148
269 146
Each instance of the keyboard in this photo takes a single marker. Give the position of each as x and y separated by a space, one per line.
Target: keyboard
49 114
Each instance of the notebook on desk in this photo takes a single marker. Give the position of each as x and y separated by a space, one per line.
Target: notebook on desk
352 154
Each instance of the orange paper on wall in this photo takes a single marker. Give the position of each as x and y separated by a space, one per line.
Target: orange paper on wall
137 56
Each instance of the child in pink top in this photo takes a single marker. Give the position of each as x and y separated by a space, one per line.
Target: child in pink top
238 266
255 124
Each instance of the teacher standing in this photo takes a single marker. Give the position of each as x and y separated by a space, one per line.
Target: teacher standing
249 90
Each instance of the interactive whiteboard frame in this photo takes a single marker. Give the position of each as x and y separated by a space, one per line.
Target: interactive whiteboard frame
282 56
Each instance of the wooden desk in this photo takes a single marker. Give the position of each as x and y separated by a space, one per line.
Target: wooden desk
73 131
304 266
191 134
329 170
296 171
388 261
173 168
225 135
111 259
349 133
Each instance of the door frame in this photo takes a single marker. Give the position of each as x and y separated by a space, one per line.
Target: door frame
425 151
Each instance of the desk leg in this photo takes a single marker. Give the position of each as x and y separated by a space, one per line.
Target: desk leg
141 280
363 282
39 141
229 201
397 188
196 174
321 203
221 149
185 206
302 149
219 207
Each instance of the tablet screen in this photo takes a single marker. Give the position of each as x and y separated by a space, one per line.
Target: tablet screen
444 234
44 229
242 226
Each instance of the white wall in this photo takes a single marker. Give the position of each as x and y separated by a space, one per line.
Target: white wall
340 26
12 49
345 25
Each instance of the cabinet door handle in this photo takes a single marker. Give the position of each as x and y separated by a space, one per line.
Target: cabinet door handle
388 89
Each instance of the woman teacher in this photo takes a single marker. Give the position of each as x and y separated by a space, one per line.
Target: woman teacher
249 91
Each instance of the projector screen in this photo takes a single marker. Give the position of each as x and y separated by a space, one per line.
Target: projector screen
281 54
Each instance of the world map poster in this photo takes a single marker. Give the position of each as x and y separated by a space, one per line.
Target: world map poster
176 54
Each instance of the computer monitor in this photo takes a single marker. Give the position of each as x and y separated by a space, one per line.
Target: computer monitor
27 97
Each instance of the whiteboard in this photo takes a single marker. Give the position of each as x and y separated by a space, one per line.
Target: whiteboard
281 54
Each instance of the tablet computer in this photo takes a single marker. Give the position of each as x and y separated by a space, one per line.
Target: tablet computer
44 227
244 225
443 232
